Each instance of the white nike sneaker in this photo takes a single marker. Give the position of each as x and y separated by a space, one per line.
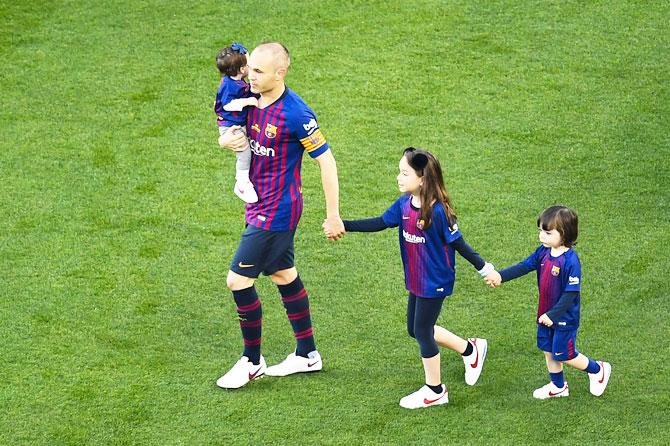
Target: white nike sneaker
475 362
598 381
242 372
296 364
424 397
551 391
245 190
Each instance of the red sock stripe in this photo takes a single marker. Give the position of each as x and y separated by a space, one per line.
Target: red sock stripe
252 306
251 323
296 316
297 296
252 342
304 334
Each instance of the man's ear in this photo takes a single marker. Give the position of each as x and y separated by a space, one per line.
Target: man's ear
280 73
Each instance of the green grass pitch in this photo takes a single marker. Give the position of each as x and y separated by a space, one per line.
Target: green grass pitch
118 221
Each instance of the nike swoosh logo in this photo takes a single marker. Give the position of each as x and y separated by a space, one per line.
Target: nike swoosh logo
405 218
427 401
602 379
244 265
312 364
253 375
557 393
474 365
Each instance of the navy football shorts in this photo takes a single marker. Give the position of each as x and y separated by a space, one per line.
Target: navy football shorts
560 343
262 251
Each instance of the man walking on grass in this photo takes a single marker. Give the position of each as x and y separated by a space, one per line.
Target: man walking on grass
279 131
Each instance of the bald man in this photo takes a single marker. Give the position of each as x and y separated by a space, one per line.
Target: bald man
279 131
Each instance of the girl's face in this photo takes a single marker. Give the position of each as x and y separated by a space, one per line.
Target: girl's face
550 239
408 180
244 71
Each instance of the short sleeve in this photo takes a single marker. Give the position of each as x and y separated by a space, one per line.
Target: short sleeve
449 230
393 214
574 271
309 133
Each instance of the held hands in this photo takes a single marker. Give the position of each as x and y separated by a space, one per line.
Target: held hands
333 228
234 139
493 279
544 320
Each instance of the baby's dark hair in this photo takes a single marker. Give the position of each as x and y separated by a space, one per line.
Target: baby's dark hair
231 59
564 220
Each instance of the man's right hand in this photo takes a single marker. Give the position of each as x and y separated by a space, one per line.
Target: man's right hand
234 139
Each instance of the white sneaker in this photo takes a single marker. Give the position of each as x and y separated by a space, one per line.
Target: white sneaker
551 391
296 364
598 381
245 190
475 361
242 372
424 397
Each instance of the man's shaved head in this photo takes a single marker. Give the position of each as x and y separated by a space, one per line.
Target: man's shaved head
277 52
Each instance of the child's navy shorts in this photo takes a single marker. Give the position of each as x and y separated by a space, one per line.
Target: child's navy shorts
560 343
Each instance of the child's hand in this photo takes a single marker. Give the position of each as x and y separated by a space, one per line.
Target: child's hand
544 320
493 279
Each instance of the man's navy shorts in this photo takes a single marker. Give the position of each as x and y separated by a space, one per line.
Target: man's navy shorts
262 251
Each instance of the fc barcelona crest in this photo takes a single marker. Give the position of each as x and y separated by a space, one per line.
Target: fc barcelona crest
555 270
270 131
420 223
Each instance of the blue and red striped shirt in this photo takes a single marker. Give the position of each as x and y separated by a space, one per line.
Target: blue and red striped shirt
427 256
555 276
230 89
278 135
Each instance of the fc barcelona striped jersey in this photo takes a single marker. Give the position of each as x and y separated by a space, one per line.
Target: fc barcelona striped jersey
427 257
556 275
278 135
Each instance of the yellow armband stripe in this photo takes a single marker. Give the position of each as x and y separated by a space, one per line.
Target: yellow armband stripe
313 141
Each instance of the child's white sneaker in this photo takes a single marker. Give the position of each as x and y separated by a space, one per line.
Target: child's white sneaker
598 381
296 364
551 391
475 361
245 190
241 373
424 397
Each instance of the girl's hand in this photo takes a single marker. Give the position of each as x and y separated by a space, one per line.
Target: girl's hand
493 279
544 320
